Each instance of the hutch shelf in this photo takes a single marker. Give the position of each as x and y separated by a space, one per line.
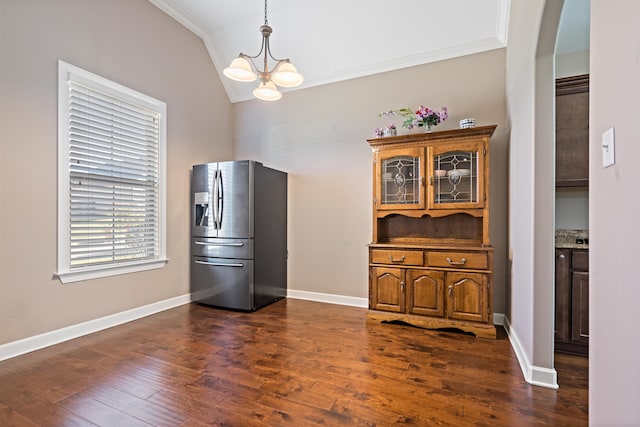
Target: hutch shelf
430 259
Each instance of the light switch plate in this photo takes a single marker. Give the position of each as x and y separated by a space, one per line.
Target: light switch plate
608 148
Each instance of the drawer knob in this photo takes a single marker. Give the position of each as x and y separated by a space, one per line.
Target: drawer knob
391 259
463 261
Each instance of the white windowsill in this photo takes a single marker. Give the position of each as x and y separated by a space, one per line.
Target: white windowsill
95 273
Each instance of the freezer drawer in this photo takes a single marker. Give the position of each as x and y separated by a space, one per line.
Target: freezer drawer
222 248
223 282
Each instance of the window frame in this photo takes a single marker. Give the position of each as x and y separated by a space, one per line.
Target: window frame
67 73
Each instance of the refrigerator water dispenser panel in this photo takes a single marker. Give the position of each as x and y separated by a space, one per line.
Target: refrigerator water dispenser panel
201 201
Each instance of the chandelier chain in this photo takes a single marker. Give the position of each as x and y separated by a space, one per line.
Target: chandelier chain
265 13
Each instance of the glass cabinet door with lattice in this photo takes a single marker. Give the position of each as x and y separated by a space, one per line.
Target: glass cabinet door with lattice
400 179
456 176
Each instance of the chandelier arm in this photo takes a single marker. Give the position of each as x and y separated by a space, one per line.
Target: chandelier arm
250 60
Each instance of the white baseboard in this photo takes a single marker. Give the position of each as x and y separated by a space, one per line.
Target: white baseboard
498 319
534 375
328 298
27 345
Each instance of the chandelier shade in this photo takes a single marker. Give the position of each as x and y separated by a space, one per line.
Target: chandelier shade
283 73
240 71
286 75
267 92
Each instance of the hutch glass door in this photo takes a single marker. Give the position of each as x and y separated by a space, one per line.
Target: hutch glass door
400 179
457 179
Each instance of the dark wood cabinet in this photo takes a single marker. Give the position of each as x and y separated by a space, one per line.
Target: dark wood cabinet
572 301
563 292
572 131
580 307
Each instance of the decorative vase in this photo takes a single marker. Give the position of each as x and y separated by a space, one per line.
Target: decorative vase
427 128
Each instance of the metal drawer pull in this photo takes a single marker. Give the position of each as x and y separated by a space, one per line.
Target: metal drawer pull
220 264
219 244
463 261
396 260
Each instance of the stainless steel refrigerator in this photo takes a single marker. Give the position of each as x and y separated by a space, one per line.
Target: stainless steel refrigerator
238 234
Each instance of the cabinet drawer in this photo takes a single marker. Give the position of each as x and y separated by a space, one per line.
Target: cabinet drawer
580 260
397 257
470 260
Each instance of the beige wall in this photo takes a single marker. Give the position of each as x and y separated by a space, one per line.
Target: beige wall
132 43
318 136
614 289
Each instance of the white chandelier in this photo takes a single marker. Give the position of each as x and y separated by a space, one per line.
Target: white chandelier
243 69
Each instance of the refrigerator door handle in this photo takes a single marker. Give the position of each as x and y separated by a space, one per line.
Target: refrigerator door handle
219 244
219 200
220 264
214 202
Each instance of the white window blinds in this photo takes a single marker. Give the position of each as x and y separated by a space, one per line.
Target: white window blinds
113 179
113 164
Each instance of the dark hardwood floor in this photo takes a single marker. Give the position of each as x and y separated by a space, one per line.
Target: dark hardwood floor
293 363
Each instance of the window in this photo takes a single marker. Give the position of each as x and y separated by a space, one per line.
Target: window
111 177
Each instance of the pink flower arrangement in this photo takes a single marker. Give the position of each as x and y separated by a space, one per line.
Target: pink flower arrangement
422 117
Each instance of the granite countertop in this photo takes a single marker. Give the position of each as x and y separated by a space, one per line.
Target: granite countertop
570 239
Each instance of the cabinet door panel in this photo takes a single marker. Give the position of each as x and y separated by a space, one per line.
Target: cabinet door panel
580 260
387 289
580 307
466 295
572 131
563 295
425 292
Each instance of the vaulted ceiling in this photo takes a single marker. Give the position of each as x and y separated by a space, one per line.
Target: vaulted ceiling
335 40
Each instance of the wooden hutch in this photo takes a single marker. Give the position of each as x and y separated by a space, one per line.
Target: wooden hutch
430 260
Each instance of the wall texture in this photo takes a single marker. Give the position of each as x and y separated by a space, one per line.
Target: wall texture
614 341
318 135
132 43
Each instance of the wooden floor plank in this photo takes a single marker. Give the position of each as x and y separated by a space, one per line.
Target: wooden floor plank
293 363
11 417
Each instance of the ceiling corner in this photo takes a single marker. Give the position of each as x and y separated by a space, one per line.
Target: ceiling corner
179 16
